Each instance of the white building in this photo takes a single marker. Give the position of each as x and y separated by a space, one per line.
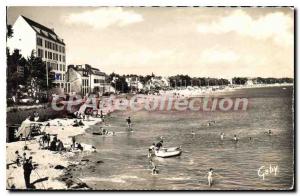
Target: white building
134 83
29 36
84 79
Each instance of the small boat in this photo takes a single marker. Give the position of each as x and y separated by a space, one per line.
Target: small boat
168 152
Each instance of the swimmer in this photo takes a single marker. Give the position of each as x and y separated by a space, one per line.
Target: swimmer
222 136
235 139
210 177
154 171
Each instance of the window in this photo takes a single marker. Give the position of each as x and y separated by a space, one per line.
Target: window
50 55
46 44
39 41
59 57
63 49
64 67
40 53
64 59
46 54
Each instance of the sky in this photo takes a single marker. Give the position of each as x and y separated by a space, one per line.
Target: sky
198 41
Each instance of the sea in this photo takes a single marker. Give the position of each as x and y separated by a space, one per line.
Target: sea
121 161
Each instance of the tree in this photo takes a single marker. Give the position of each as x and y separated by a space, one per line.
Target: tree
36 74
14 75
9 31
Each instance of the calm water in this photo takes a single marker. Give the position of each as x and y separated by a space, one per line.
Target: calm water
126 166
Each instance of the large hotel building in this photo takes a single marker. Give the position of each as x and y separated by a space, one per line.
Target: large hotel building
29 36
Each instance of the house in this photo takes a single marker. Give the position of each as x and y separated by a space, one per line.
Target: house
85 79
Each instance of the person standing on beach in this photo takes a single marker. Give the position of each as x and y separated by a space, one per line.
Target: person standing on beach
27 167
18 158
48 138
73 141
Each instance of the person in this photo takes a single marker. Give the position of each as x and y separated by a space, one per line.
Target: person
18 158
53 144
79 147
128 122
60 146
80 123
151 150
36 116
154 170
27 167
210 177
24 157
159 144
76 124
101 115
235 139
269 132
193 133
222 136
48 138
73 141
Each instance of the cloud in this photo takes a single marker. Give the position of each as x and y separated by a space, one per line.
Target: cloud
217 55
276 26
104 17
143 57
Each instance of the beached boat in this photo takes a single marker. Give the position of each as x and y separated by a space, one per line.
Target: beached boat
168 152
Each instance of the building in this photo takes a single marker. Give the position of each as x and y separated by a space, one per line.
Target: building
251 81
31 36
134 83
84 79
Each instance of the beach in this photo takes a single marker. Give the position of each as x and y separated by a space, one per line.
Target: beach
120 161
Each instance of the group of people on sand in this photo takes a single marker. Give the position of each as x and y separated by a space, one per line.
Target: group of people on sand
55 145
77 123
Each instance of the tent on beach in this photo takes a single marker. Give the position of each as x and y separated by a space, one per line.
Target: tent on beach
28 128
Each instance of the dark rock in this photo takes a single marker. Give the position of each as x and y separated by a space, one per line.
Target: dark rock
69 183
99 162
87 160
59 167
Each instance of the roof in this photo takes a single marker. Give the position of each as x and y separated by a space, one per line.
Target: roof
43 30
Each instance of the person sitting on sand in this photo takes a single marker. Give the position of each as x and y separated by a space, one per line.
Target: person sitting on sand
53 144
80 123
60 146
79 146
76 124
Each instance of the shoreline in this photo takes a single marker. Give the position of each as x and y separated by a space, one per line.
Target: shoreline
46 176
